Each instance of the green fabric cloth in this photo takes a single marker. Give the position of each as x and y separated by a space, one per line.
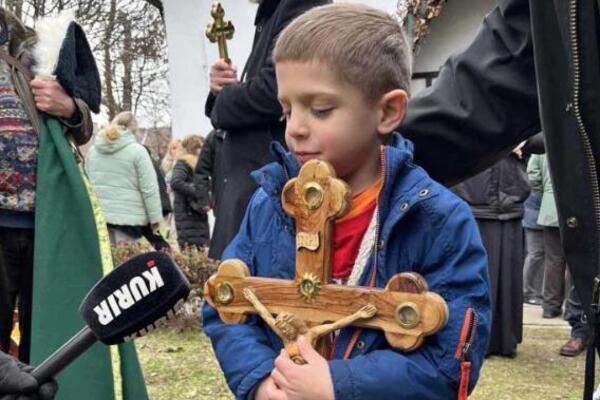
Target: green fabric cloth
124 178
67 263
539 177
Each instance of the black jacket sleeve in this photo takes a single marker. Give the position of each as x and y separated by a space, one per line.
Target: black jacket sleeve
254 102
484 102
204 169
179 182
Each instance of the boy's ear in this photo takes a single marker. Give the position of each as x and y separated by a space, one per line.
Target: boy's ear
392 107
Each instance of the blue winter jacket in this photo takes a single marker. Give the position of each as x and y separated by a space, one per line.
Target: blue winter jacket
423 228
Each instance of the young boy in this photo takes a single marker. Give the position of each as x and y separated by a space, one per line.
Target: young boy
343 73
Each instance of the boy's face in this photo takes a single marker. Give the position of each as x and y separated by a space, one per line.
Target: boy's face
330 120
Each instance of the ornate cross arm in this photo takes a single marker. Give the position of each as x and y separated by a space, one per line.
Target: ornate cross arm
405 310
219 30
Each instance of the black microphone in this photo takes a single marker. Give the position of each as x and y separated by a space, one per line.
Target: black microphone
132 300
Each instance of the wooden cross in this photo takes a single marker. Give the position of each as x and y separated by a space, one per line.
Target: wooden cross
219 30
310 305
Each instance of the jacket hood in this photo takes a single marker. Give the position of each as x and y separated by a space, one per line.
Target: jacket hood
272 177
108 147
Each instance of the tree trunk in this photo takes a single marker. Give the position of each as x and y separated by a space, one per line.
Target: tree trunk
109 96
127 60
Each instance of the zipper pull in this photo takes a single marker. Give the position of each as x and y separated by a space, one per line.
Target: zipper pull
463 351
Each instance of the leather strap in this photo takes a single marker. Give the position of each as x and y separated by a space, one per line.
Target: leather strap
465 373
12 61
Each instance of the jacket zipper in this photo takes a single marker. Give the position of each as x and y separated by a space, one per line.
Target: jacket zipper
377 224
585 138
463 351
467 332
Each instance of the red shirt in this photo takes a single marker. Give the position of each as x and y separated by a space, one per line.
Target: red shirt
350 229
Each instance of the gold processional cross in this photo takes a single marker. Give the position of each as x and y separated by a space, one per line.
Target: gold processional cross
219 30
310 305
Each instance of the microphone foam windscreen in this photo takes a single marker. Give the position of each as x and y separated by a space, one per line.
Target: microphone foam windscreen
134 298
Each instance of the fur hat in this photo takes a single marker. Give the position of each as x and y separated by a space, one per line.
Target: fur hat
76 69
62 50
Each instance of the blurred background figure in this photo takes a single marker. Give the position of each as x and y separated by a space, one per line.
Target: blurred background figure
155 238
533 269
209 174
169 158
555 265
496 197
122 174
167 169
191 219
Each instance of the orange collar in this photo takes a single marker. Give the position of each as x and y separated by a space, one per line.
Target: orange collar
364 200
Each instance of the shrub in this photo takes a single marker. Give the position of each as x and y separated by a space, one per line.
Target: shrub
196 266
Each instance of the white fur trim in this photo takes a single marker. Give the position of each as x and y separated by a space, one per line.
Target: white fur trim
51 32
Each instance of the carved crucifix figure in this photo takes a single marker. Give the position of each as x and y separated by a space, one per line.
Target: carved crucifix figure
404 310
289 327
219 30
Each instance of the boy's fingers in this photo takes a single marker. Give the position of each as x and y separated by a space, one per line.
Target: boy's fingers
284 363
280 380
309 354
274 392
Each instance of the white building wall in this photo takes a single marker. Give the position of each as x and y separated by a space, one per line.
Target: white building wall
191 54
450 33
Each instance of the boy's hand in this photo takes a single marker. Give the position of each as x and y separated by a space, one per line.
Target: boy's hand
311 381
222 74
267 390
50 97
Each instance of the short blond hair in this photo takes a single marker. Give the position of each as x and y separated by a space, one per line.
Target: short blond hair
363 46
122 122
192 143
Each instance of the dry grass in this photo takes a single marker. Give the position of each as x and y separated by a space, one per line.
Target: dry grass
538 372
182 366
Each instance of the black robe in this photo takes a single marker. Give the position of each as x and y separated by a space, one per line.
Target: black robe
496 197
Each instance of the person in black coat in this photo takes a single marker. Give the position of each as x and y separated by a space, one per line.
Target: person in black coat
250 113
191 220
208 172
496 197
532 63
154 237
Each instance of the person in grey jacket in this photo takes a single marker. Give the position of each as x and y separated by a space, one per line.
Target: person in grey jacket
122 174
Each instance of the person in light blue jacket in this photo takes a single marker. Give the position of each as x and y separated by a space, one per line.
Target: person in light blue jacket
124 179
343 72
